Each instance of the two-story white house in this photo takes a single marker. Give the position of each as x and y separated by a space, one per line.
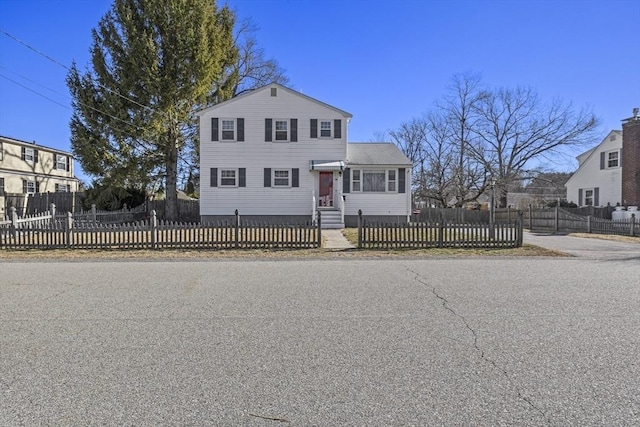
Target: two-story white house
278 156
598 180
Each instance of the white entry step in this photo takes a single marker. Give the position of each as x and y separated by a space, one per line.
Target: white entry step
331 219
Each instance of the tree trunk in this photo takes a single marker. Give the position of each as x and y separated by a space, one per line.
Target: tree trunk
171 193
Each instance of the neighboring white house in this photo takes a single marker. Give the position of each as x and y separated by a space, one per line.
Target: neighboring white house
277 155
598 180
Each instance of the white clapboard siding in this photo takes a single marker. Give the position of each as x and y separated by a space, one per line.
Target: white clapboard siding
254 154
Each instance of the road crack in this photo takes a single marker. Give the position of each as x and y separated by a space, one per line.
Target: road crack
483 356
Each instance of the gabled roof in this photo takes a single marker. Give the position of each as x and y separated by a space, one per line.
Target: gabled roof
34 145
279 86
376 153
589 153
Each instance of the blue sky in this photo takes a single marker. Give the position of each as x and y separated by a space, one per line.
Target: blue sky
384 62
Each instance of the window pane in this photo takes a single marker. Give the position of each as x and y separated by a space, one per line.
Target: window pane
228 178
228 130
325 129
356 175
281 130
61 162
373 181
281 178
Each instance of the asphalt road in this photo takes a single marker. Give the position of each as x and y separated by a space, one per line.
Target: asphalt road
597 249
484 341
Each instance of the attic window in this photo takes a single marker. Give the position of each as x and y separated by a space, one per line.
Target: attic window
274 91
612 137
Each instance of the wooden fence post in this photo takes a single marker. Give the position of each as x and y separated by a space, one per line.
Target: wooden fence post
52 212
530 217
557 221
588 223
14 221
319 230
359 228
69 229
632 229
520 229
237 228
441 232
94 215
153 223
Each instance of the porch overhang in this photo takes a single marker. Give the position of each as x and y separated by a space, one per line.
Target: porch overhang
326 165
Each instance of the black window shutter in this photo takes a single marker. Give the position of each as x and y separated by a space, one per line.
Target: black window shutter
314 128
580 197
214 177
295 177
294 130
346 181
214 129
24 183
37 187
23 149
242 179
602 160
596 196
57 187
401 183
68 164
35 156
240 124
267 177
267 130
337 128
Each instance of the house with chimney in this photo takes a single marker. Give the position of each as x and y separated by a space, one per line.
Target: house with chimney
609 173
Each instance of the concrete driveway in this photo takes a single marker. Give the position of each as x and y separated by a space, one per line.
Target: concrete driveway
486 342
592 248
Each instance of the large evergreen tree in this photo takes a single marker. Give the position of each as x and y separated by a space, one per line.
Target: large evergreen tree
154 63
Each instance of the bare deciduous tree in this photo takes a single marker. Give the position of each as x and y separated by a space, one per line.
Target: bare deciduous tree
515 127
476 137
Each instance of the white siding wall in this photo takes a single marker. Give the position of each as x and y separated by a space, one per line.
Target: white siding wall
394 204
589 176
255 154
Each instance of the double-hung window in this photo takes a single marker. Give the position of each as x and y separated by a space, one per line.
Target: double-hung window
62 188
325 129
588 197
613 159
228 178
281 178
282 130
391 181
29 187
228 130
61 162
29 155
356 183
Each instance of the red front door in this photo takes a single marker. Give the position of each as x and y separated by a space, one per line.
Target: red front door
326 189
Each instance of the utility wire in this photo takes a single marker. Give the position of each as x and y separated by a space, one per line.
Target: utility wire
28 46
69 108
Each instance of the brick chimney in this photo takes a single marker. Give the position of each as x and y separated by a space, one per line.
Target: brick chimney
631 160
